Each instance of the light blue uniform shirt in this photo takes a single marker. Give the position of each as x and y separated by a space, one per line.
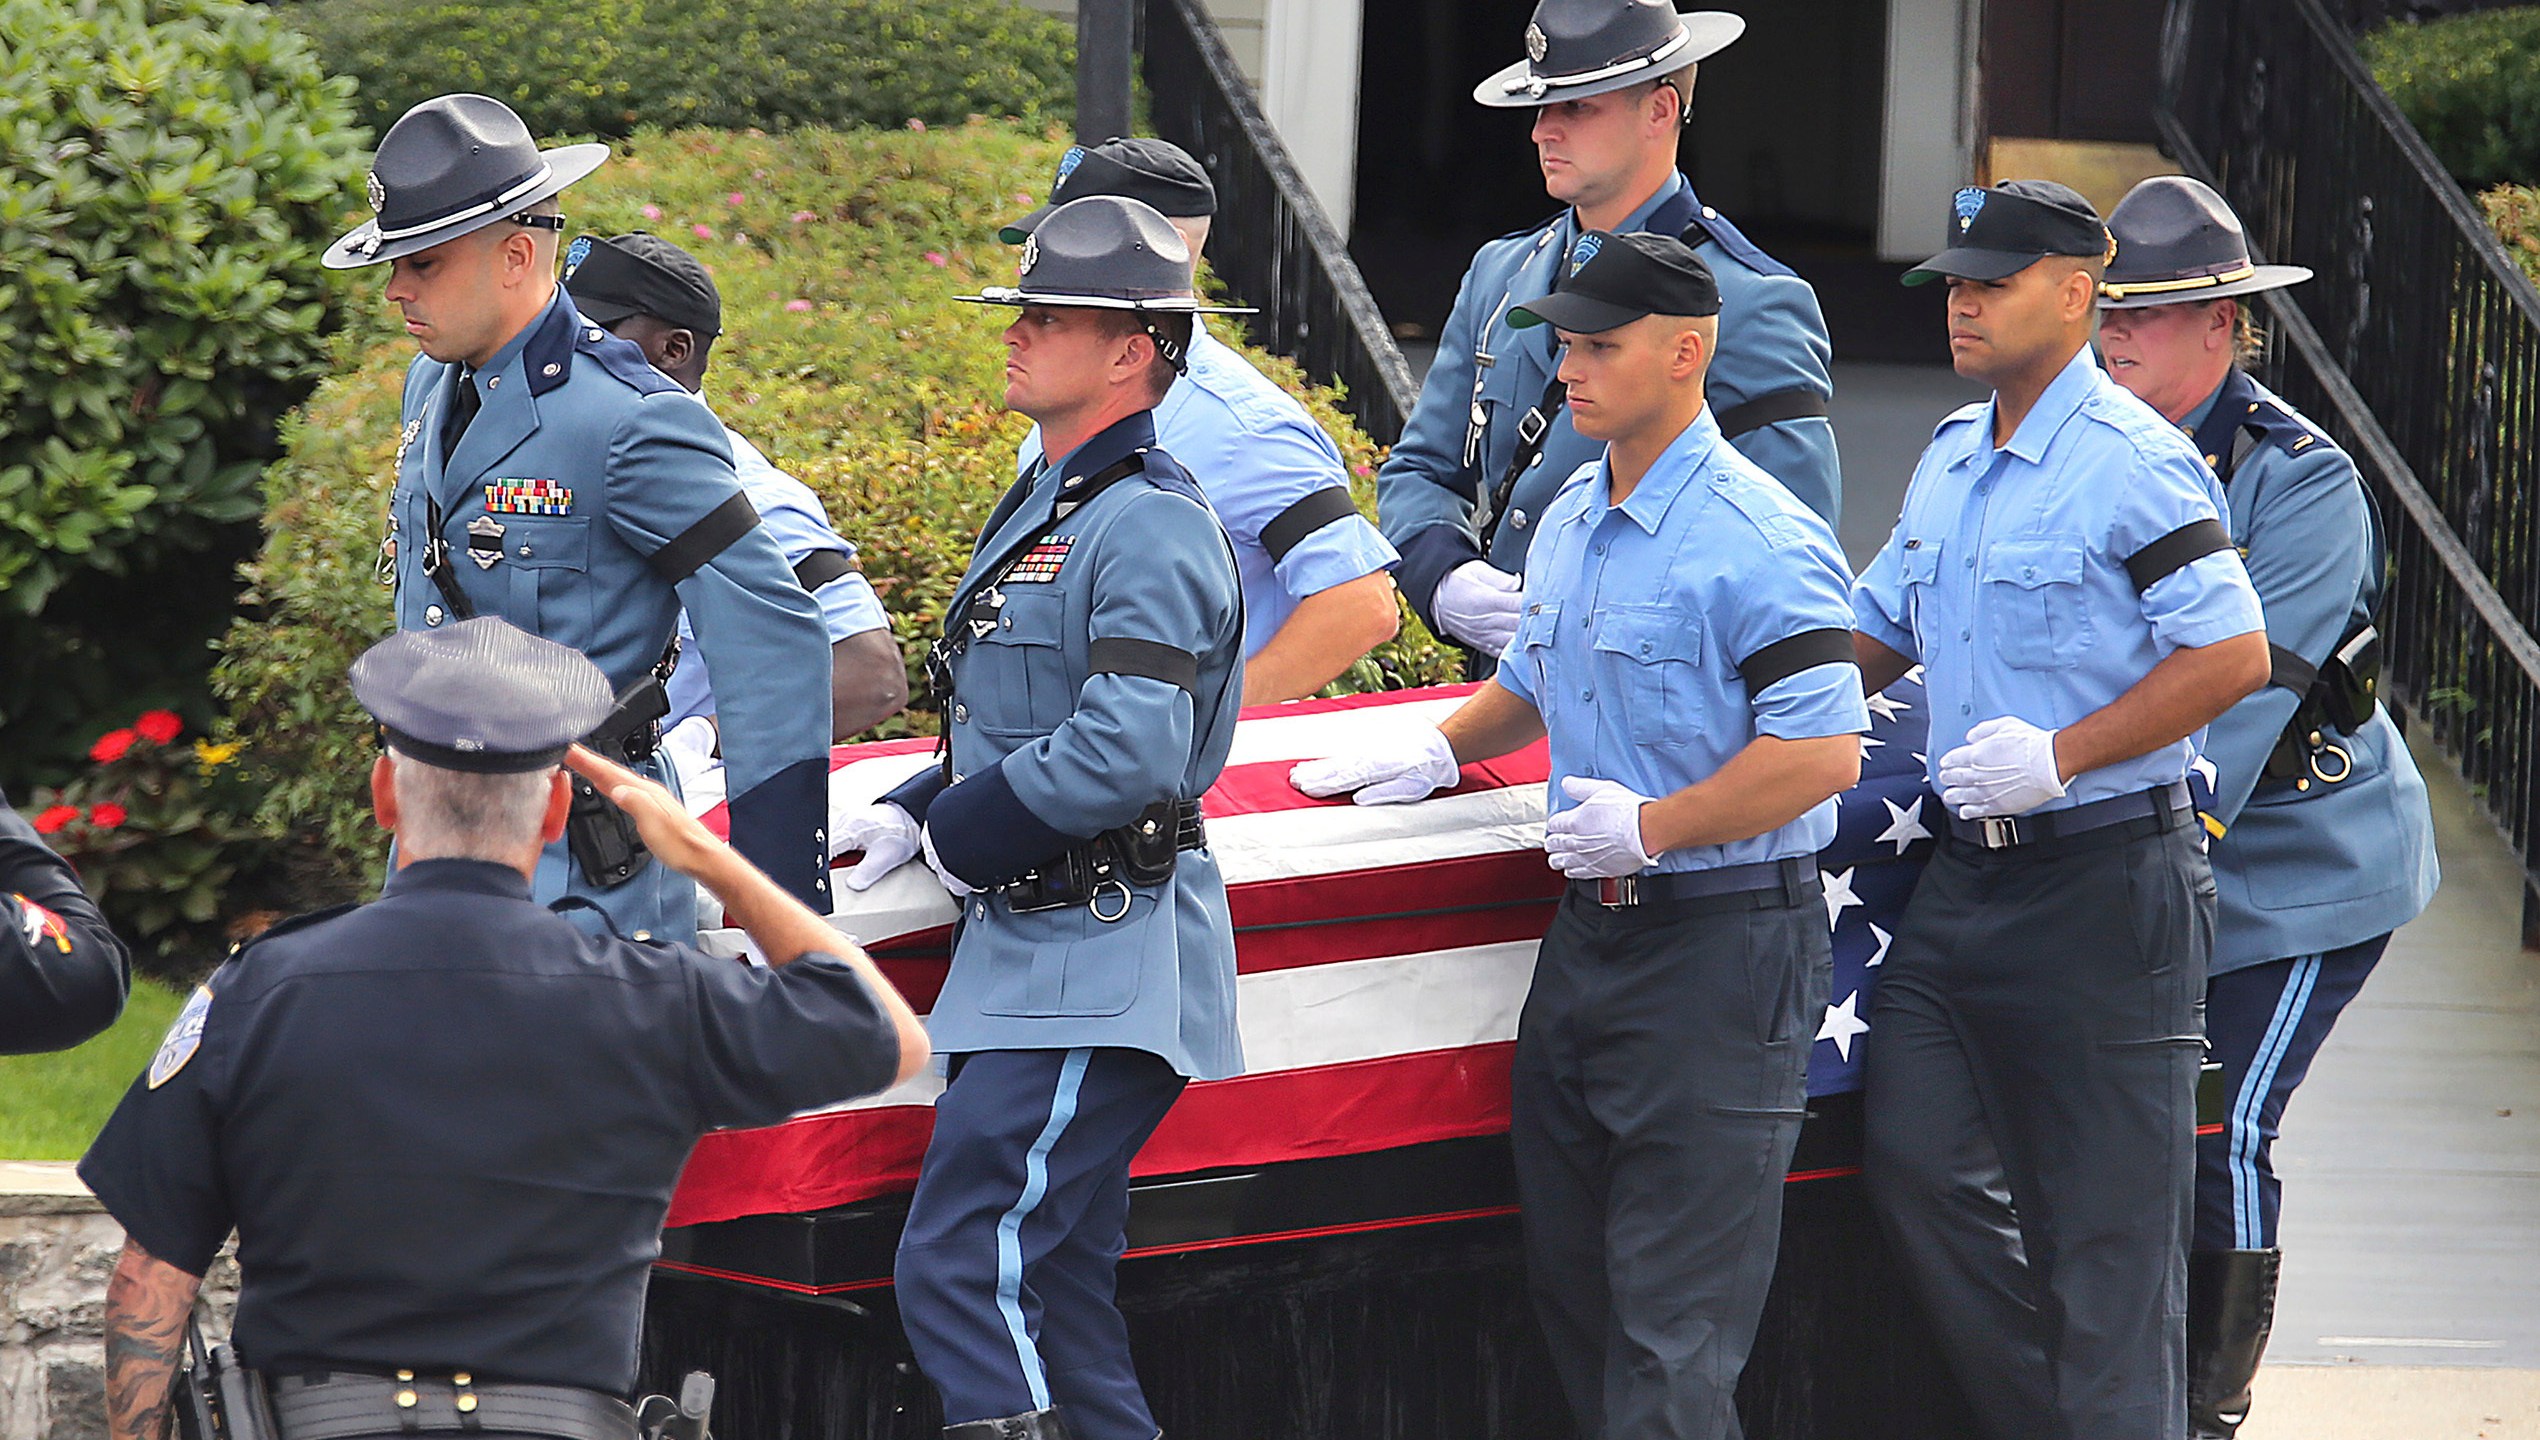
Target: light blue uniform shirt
1637 617
1270 472
792 516
2006 575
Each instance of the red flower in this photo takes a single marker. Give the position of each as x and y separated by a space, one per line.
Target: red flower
158 726
110 746
52 818
106 816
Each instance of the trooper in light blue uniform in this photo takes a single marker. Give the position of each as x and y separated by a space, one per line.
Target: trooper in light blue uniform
1091 670
546 474
2321 846
2062 574
1606 131
1316 590
1687 648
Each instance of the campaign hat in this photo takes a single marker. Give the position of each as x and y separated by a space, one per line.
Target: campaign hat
1578 48
2178 241
451 166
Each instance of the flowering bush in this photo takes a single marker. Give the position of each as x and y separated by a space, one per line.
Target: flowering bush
156 829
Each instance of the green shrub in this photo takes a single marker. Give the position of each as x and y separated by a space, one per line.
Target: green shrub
2514 213
169 171
2470 85
844 357
603 67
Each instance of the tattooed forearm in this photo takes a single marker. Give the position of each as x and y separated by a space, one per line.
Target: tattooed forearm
147 1305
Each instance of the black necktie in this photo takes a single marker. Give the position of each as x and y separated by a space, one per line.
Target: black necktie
463 408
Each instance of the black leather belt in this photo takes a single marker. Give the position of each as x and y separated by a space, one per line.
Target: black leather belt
340 1406
1100 872
1794 879
2165 803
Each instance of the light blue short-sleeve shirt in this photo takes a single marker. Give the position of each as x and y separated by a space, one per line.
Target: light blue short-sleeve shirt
1638 616
1274 478
2006 575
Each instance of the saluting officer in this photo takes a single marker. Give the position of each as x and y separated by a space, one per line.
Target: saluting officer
645 289
1687 644
446 1124
1490 442
2323 842
1091 670
1317 594
547 474
2062 574
63 974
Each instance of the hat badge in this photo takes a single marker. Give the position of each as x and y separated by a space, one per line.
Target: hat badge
1067 164
575 254
1031 255
377 192
1969 202
1536 45
1586 251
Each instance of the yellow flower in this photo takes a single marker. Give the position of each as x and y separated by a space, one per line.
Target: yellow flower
209 757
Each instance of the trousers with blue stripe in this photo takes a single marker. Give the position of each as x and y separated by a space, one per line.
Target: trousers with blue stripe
1005 1271
2263 1024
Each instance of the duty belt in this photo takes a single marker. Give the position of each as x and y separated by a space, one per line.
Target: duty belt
1101 873
2168 804
339 1406
1790 881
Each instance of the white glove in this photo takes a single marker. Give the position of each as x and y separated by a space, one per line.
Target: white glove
1414 763
885 833
689 745
1600 836
954 883
2007 767
1478 603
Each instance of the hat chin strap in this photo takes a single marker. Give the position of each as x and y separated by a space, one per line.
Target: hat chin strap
2116 291
537 178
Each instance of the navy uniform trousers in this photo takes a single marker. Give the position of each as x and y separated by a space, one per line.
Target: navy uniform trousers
1661 1075
2038 1021
1005 1275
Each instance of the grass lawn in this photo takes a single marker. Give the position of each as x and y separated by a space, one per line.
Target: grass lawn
51 1106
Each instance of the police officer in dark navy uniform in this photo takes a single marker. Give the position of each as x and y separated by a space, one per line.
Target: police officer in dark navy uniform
549 475
1091 671
63 974
1490 441
446 1124
2323 840
2062 574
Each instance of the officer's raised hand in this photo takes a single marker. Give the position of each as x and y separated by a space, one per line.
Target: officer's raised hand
1478 603
1413 763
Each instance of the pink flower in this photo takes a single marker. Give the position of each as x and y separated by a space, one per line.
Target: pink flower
1023 197
702 232
936 257
107 816
734 198
652 212
1362 471
158 726
797 306
110 747
805 217
917 125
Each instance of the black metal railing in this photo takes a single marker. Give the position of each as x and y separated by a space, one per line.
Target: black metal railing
2417 346
1271 243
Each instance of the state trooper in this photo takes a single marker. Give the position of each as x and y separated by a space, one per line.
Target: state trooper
1091 670
63 973
547 474
1489 442
2323 840
1317 592
1687 645
2062 574
446 1124
645 289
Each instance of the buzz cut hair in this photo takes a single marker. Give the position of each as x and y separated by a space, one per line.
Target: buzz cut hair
458 815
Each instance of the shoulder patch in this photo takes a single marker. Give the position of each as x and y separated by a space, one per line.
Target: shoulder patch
623 359
183 1039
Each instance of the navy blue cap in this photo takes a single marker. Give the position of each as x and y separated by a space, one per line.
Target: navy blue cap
481 696
1141 167
1997 233
1617 279
641 274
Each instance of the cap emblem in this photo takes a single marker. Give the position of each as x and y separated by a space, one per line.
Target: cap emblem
575 254
1536 44
1031 255
1969 203
1067 164
1586 250
377 192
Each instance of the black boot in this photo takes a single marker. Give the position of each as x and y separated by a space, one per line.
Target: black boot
2230 1309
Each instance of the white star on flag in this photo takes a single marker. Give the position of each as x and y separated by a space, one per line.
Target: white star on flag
1904 824
1878 956
1885 708
1915 674
1838 894
1843 1025
1868 744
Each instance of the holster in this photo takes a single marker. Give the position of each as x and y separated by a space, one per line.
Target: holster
216 1398
1101 872
605 844
2338 703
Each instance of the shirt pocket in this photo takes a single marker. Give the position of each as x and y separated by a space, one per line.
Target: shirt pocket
1016 680
1531 650
1917 571
2039 618
549 557
1649 657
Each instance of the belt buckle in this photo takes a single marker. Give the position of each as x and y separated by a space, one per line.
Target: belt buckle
1616 891
2000 831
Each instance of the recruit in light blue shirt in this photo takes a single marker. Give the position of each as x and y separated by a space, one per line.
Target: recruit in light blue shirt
792 515
2006 574
1261 460
1638 615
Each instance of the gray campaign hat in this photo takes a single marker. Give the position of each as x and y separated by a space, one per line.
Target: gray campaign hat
1141 167
1104 252
2178 241
452 165
482 696
1578 48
